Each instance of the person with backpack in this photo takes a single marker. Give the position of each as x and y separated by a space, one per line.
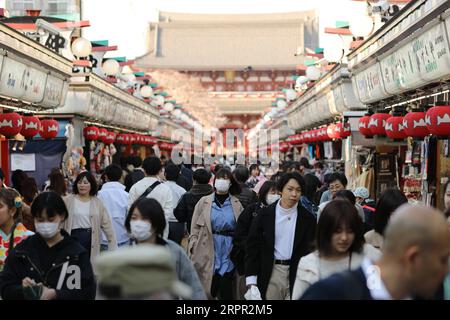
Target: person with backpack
152 187
136 173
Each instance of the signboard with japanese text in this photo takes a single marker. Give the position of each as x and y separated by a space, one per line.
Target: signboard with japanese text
53 92
34 85
369 84
11 79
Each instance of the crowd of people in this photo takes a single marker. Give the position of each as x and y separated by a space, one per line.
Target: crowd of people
152 229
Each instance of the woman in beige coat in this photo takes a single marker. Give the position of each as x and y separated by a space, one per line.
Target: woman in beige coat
211 239
87 216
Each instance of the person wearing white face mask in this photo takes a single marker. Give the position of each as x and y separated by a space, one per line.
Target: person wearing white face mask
146 222
211 239
50 265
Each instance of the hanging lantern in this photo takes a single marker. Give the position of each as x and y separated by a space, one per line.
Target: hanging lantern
10 124
284 147
363 126
91 133
152 141
394 128
123 138
325 136
331 131
414 125
30 127
377 123
49 129
307 137
102 133
132 138
313 136
342 130
110 137
437 119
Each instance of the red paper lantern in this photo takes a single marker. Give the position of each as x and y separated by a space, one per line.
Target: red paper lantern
331 131
284 147
152 141
30 127
102 133
313 135
377 123
394 128
307 137
438 120
414 125
363 126
10 124
323 134
49 129
110 137
123 138
91 133
342 130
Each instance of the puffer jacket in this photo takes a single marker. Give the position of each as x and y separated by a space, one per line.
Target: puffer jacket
247 196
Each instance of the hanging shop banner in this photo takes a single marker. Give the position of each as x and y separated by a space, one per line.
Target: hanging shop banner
369 84
53 92
34 82
11 84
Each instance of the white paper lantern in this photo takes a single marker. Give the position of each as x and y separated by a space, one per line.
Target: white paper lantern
281 104
111 67
312 73
177 113
266 118
159 100
129 77
81 47
334 49
146 91
169 107
361 25
301 80
290 94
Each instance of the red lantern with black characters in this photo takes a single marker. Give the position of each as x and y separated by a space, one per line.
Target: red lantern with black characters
30 126
377 123
102 133
307 137
324 134
123 139
91 133
394 128
363 126
110 137
313 135
342 130
284 147
414 125
438 119
331 131
10 124
49 129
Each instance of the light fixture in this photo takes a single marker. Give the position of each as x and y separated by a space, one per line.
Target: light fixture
169 107
158 100
146 91
281 104
81 47
313 73
334 48
111 67
177 113
361 25
290 94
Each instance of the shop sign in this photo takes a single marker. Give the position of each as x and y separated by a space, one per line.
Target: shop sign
53 92
369 84
11 80
34 85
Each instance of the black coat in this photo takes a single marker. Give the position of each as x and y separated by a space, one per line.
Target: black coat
34 259
133 177
185 208
260 248
247 196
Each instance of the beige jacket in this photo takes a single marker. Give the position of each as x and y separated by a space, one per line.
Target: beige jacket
100 221
201 244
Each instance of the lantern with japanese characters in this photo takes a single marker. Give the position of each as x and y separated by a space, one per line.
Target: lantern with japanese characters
10 124
377 123
123 139
394 128
102 133
363 126
313 136
110 137
49 129
414 125
342 130
307 137
91 133
331 131
284 147
438 119
30 126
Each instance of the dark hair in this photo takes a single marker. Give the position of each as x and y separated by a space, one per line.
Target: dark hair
285 166
17 179
284 179
136 161
253 167
172 172
319 165
311 185
152 165
8 196
217 168
447 213
388 202
29 189
265 189
151 210
339 177
305 163
90 178
58 183
276 177
201 176
2 174
241 173
235 188
113 172
52 203
347 195
295 166
326 178
336 213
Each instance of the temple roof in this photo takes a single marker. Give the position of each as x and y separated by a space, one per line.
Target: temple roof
223 41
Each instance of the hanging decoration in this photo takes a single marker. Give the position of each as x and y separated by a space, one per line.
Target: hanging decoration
30 126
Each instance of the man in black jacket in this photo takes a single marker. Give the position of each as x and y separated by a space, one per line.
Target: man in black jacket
414 262
136 174
279 236
247 195
185 208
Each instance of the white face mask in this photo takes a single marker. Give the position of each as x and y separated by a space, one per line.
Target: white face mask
271 198
47 229
141 230
222 185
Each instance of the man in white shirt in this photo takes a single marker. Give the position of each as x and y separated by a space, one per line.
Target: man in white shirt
176 229
414 262
161 192
115 199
